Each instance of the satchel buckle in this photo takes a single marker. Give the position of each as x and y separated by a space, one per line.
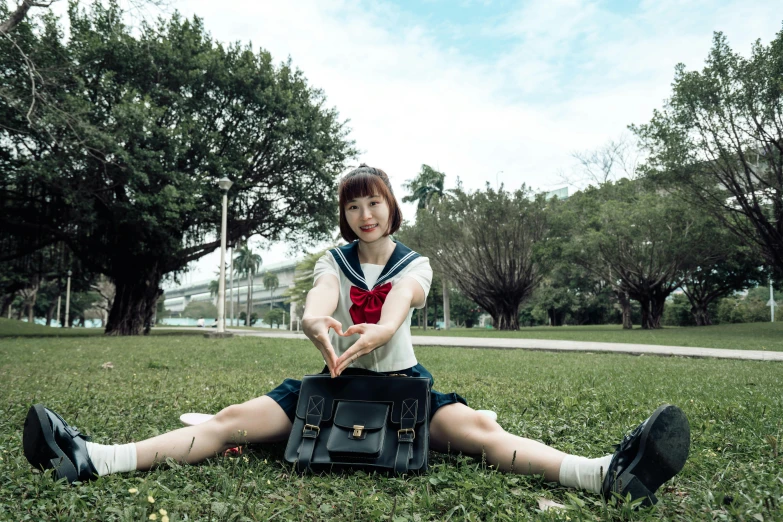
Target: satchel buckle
311 427
406 430
357 430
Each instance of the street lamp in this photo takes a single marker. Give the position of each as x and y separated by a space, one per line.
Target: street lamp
224 185
68 300
231 286
497 180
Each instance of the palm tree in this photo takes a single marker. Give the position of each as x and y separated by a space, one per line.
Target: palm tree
247 263
271 283
214 288
426 188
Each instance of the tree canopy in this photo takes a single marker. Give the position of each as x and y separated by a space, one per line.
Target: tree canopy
121 164
484 240
720 135
638 240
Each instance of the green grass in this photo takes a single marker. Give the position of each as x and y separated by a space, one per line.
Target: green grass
581 403
750 336
14 328
747 336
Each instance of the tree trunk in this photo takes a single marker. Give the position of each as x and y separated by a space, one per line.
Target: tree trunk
426 315
16 17
31 309
50 313
446 305
134 302
657 304
6 302
646 313
506 318
555 317
625 307
249 297
652 311
701 315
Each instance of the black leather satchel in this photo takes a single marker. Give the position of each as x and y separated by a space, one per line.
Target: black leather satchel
361 420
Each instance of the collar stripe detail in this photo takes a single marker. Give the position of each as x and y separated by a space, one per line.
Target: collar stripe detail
348 269
347 258
401 264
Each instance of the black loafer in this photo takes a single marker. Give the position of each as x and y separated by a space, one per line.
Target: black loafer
50 443
652 454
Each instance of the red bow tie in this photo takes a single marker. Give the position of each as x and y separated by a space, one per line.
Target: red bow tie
367 305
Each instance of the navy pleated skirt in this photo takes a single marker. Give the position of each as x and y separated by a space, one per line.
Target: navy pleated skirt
287 394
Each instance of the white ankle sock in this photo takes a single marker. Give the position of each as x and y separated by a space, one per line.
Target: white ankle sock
112 459
584 473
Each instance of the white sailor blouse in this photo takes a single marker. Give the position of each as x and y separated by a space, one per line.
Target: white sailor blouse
363 290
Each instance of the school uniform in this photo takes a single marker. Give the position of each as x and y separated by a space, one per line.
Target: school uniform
363 290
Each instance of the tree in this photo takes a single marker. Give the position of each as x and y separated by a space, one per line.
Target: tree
643 243
484 240
247 264
720 135
196 309
303 280
162 115
733 267
465 312
426 188
214 288
271 283
274 316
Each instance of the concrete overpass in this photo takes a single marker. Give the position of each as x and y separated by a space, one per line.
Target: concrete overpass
178 298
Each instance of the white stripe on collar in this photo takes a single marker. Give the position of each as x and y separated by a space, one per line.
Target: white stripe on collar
347 265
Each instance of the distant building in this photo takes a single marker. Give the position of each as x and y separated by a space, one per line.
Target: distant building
561 193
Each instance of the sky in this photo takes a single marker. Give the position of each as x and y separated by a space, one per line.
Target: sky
487 91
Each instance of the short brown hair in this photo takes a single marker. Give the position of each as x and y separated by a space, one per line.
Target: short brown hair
362 182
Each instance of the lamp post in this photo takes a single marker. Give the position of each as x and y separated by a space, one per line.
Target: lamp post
231 286
224 185
68 300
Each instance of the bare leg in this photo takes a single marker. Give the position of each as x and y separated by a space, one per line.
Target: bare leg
255 421
461 429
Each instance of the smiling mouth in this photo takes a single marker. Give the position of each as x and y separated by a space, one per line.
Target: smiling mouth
368 228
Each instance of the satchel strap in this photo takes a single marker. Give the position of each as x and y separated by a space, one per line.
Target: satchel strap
406 435
310 432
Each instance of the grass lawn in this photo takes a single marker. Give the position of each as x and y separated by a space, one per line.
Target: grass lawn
581 403
14 328
747 336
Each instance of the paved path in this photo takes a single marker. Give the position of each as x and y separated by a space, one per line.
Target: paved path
555 346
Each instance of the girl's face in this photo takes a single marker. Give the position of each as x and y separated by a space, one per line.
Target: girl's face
368 217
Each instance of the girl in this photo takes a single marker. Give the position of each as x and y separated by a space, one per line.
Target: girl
372 284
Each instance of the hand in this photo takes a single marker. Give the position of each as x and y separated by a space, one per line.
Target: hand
371 337
317 330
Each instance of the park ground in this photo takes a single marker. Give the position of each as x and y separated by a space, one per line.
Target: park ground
580 403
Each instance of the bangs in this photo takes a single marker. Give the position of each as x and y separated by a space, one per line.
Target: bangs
361 186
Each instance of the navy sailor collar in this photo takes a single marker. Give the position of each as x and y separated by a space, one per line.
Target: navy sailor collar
347 258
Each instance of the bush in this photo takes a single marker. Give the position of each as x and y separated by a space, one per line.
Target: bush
677 311
749 308
196 309
273 316
253 318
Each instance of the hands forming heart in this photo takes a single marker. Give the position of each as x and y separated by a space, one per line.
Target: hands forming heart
371 336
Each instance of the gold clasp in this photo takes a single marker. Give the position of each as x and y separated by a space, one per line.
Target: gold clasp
357 430
407 430
311 427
